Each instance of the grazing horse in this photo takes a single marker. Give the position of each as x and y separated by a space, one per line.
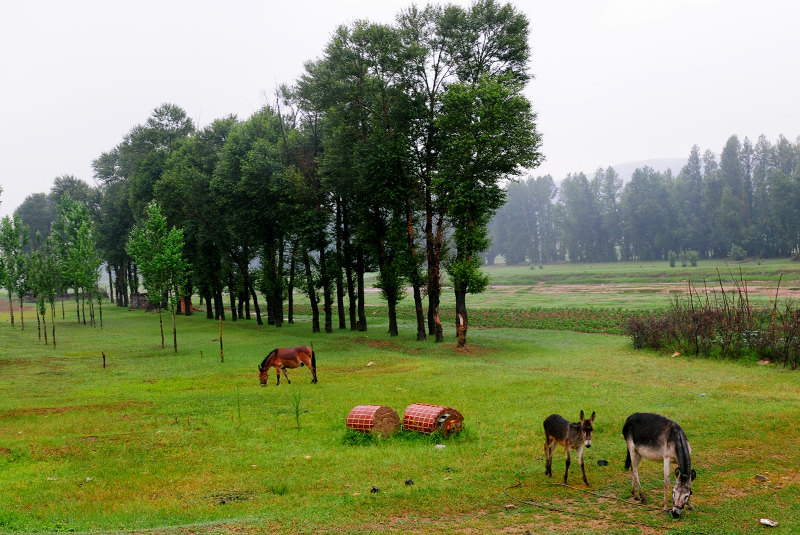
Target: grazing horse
288 357
655 437
557 430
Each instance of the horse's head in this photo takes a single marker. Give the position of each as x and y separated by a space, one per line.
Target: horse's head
682 491
262 371
587 429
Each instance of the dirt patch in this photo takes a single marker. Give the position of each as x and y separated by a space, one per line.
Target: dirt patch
753 287
110 407
6 308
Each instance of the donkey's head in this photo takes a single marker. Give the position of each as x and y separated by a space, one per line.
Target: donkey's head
587 430
682 491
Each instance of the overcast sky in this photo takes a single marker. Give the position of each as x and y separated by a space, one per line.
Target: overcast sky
615 81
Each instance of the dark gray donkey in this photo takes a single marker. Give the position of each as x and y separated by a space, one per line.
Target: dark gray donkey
557 430
655 437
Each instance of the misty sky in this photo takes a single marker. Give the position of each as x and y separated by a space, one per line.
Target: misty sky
615 81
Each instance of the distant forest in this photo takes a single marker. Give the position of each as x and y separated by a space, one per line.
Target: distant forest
744 204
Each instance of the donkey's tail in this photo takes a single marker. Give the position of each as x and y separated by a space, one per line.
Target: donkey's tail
628 460
313 358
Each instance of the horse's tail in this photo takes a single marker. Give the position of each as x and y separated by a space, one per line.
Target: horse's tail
628 460
313 358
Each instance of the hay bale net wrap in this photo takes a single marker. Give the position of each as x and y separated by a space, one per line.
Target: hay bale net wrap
374 419
426 418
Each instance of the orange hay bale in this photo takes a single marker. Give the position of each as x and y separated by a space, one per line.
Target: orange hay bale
426 418
374 419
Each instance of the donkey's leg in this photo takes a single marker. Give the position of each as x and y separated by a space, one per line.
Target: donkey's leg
636 484
566 470
287 377
580 460
548 455
278 370
666 509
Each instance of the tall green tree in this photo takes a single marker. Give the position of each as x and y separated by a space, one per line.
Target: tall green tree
489 134
13 238
158 253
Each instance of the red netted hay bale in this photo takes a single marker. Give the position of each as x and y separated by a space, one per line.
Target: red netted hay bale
374 419
429 418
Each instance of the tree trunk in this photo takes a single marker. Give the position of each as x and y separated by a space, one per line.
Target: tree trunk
53 322
110 283
312 296
348 269
461 317
392 302
22 313
278 291
421 337
44 327
209 305
326 288
292 264
243 299
232 295
415 274
174 330
434 281
187 297
11 305
255 301
219 307
161 325
362 316
339 264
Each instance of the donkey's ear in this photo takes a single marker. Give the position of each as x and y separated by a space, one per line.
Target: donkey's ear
677 473
592 418
582 418
694 474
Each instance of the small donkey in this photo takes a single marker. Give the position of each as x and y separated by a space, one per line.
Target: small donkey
655 437
557 430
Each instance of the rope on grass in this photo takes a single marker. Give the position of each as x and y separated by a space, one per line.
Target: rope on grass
561 510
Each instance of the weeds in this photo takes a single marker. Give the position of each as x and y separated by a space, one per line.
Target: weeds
723 324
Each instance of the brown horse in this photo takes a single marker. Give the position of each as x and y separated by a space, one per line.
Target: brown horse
288 357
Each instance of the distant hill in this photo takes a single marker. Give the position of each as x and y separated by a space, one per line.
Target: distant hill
625 170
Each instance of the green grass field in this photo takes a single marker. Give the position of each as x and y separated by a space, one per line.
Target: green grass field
183 443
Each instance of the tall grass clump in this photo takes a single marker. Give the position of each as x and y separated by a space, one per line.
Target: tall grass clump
723 324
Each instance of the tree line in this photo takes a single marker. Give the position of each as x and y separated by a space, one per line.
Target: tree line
744 203
387 155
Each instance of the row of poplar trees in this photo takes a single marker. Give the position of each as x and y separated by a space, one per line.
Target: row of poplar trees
387 155
48 266
744 202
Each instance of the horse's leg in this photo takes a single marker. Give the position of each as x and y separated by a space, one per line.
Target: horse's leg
666 509
287 377
566 470
580 460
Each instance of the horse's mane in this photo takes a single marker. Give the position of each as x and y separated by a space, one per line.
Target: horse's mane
264 362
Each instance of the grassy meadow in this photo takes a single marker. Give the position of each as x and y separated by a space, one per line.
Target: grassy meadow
159 442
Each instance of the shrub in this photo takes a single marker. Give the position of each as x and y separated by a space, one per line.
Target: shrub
737 253
672 258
